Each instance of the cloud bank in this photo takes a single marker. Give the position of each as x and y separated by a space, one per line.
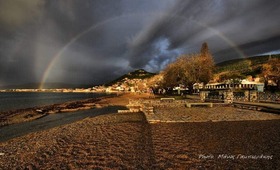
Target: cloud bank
102 39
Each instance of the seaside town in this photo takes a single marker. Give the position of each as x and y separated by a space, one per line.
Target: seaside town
140 86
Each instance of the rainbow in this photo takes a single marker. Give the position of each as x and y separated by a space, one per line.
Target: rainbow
64 48
91 28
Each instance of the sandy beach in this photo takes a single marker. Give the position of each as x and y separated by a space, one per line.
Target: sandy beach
128 141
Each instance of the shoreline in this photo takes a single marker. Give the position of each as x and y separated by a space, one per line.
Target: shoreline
52 121
161 112
34 113
129 141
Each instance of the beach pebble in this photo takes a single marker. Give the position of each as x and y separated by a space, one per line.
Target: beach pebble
1 154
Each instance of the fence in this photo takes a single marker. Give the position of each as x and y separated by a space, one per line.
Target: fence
269 97
247 95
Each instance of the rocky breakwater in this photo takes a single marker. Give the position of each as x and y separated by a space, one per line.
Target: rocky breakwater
28 114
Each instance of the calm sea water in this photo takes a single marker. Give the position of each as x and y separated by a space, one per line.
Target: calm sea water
52 120
12 101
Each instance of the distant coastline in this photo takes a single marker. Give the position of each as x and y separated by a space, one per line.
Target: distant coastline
58 90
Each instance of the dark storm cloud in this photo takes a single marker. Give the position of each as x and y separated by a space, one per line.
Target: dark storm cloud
225 25
33 32
15 19
116 36
16 14
254 48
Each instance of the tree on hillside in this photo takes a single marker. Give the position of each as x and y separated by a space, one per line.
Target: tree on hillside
155 81
206 64
173 73
231 76
271 70
272 67
190 69
204 49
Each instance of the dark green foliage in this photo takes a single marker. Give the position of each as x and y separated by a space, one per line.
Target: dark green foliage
232 75
245 66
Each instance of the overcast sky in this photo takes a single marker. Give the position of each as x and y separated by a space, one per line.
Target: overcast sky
95 41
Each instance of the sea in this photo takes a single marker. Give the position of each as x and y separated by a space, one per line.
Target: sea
15 100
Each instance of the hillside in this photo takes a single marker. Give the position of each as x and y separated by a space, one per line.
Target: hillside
137 74
245 66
